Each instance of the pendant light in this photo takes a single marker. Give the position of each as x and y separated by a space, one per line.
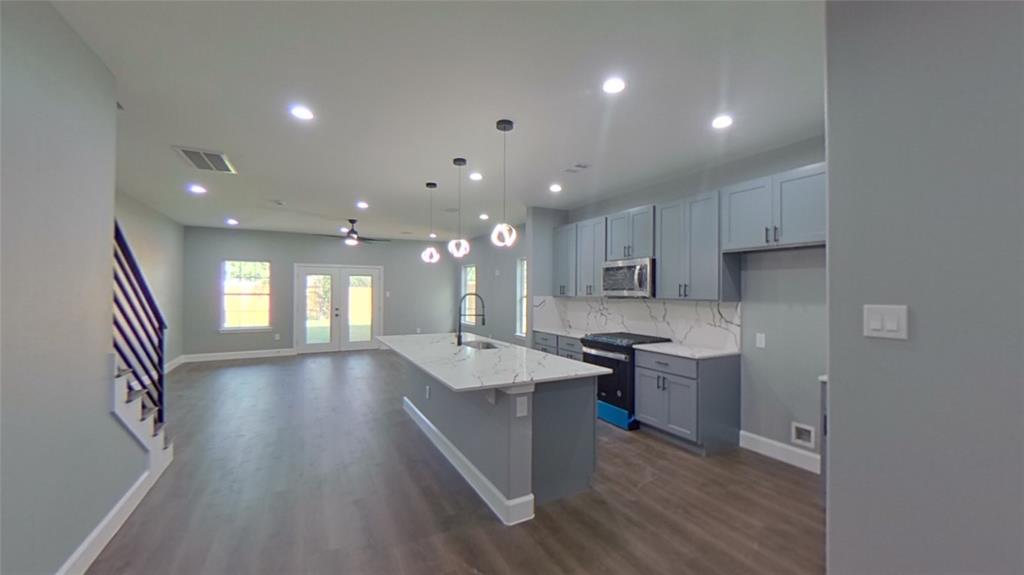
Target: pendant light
459 248
431 255
504 235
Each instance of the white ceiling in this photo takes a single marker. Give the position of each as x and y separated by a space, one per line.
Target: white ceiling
399 89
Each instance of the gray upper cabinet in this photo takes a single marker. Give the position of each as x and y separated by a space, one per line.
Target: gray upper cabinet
630 234
787 209
689 259
669 249
590 251
564 272
798 206
747 215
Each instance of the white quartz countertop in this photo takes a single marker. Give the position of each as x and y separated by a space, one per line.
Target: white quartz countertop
682 350
564 332
469 369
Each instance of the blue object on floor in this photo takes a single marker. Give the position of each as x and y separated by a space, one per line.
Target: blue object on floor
615 415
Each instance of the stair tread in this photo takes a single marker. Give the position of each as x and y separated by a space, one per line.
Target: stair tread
157 428
147 411
134 394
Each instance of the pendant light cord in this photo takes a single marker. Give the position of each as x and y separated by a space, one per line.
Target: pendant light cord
504 177
460 202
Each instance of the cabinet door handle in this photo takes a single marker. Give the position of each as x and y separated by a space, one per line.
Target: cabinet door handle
766 240
776 233
679 292
686 290
659 382
661 363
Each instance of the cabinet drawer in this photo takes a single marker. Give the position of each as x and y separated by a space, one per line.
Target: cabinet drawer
569 344
545 349
680 366
547 339
570 355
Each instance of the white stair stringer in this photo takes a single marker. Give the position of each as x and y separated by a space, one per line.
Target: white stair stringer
130 413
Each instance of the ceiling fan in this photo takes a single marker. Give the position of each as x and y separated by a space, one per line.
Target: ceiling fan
352 237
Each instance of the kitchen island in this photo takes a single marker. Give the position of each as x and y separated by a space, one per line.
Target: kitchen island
518 424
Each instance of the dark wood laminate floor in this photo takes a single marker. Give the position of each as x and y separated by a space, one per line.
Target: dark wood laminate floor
309 465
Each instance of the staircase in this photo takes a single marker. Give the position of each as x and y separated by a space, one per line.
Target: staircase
138 360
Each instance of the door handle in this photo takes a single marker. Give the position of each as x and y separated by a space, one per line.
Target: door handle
679 291
686 290
776 233
624 251
766 240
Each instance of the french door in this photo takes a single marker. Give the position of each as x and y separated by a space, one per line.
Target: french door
337 308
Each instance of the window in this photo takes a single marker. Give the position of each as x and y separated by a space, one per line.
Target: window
521 297
469 286
246 292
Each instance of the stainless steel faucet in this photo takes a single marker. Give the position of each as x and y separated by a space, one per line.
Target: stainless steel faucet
482 315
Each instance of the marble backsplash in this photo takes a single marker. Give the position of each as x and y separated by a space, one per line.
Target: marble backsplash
705 324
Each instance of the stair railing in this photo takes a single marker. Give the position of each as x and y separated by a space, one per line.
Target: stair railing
139 329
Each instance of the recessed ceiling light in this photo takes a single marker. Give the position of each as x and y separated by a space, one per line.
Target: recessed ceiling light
343 230
432 235
484 217
362 205
721 122
555 188
613 85
231 222
476 176
196 189
302 112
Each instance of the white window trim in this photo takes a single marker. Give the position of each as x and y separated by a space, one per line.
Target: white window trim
270 306
466 320
520 296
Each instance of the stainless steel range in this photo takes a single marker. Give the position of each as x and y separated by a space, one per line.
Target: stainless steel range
615 401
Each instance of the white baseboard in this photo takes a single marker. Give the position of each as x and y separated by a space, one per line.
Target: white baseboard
221 356
510 511
170 365
90 549
777 450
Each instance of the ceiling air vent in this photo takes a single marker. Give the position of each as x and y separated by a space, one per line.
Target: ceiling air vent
209 161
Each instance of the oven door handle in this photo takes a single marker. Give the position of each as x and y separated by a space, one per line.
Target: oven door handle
608 354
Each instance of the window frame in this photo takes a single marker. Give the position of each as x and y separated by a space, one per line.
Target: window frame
223 308
522 297
464 307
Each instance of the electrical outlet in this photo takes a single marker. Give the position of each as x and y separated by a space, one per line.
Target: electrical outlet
277 337
418 330
759 340
387 294
522 406
428 391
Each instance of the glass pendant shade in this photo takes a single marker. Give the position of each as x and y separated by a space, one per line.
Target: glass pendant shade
458 248
430 255
503 235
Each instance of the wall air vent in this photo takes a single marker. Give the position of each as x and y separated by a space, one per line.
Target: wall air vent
801 434
206 160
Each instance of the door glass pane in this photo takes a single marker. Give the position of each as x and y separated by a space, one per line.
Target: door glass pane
318 308
360 308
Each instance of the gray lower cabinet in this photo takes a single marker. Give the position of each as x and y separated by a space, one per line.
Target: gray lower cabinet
694 400
564 269
545 348
590 252
570 355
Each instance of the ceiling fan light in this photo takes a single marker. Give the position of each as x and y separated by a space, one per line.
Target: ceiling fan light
503 235
430 255
351 242
458 248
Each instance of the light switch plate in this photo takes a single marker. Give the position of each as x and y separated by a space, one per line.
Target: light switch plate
522 406
885 321
759 340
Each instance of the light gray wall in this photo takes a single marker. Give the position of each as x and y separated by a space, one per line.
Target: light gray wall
540 240
784 298
926 200
496 283
417 295
692 183
66 460
158 243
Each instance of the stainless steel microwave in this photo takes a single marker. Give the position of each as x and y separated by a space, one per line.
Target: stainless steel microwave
628 278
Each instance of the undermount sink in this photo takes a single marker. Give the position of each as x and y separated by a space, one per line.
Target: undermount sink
480 345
